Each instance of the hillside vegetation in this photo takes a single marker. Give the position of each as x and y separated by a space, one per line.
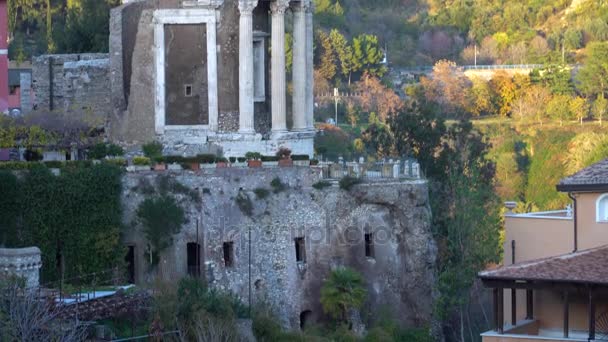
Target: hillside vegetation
421 32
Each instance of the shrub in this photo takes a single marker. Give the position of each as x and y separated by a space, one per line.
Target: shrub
320 185
153 150
114 150
261 193
347 182
277 185
53 164
232 160
174 159
253 156
206 158
314 162
98 151
244 203
116 161
141 161
32 155
16 165
241 159
300 157
266 328
270 158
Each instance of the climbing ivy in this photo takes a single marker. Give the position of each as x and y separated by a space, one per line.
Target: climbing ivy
74 218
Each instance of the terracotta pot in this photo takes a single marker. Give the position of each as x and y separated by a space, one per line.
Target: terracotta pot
254 163
160 167
285 162
221 165
195 166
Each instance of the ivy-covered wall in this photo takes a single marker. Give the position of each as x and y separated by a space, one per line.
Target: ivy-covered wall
74 218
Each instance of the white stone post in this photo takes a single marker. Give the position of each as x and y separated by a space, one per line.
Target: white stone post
279 100
300 120
310 98
246 104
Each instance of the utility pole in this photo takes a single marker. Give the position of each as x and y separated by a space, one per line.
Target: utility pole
336 99
475 54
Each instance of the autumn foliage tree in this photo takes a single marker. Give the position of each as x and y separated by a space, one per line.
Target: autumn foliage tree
376 97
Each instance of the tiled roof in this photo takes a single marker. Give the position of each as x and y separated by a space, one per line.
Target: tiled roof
596 174
589 266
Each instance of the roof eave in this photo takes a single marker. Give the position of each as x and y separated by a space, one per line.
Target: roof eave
582 187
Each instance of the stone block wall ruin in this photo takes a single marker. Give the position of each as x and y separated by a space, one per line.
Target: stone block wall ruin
21 262
296 237
73 83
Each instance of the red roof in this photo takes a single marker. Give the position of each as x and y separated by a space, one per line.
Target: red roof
588 266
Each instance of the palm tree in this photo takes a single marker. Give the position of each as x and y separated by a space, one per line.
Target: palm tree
342 292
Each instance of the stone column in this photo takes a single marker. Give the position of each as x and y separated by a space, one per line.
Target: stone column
246 104
299 67
310 98
279 100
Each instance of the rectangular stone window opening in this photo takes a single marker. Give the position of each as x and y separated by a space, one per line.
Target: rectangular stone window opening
130 261
259 69
193 259
369 245
300 250
228 248
188 90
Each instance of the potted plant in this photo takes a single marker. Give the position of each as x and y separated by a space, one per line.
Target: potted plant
159 164
221 163
253 159
192 164
284 155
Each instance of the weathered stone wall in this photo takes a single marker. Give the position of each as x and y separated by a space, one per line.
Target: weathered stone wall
333 222
76 83
21 262
51 85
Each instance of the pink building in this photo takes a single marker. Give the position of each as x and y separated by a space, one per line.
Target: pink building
3 57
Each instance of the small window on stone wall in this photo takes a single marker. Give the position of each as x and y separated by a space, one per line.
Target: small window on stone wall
228 254
300 249
188 90
369 245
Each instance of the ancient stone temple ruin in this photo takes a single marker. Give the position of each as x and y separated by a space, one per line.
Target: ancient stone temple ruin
205 76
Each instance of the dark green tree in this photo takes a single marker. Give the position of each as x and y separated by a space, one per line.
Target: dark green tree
593 76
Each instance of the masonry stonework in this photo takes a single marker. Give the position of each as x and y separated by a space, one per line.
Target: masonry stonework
21 262
333 223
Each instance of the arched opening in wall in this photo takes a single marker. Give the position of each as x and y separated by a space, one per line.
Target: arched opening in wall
305 319
194 256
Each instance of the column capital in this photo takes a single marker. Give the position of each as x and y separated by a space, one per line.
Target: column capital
279 6
247 6
303 6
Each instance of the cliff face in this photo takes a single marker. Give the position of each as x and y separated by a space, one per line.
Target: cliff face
285 245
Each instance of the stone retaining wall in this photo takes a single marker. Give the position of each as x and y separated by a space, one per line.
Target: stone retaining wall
333 222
